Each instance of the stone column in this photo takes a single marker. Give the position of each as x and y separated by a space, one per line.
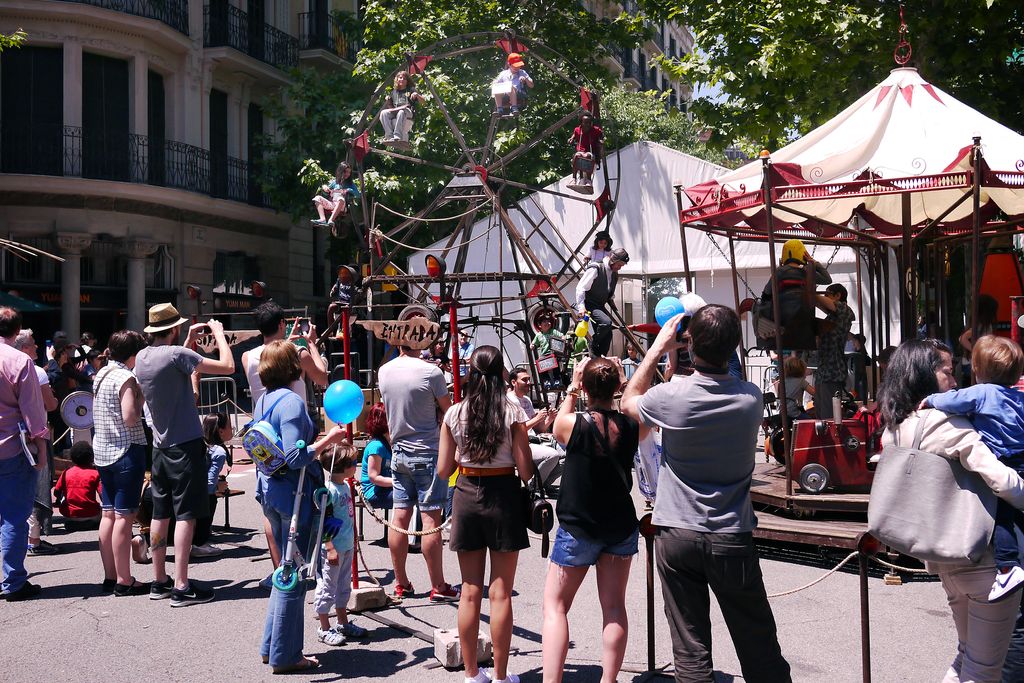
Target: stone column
137 252
72 106
71 245
139 102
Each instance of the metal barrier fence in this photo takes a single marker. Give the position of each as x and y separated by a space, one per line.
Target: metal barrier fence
220 395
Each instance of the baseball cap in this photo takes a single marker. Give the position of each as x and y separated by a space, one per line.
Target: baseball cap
515 59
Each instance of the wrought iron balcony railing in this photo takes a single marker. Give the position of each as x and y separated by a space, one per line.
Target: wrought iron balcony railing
75 152
318 30
226 25
174 13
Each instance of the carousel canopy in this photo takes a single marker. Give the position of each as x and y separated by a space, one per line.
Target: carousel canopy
905 138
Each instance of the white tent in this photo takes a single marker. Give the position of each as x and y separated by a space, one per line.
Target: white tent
645 223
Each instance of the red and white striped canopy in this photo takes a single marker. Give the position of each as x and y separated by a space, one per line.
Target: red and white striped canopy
905 136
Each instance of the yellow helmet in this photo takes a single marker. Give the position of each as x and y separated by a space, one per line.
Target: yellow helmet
794 250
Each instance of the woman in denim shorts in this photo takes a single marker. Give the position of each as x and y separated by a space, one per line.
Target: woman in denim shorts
119 448
485 436
597 522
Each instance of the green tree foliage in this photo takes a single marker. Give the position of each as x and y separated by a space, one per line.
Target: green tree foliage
786 66
12 41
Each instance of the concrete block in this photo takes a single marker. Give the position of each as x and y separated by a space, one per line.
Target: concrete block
367 597
448 652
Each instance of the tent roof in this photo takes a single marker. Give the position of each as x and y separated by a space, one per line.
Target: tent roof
903 136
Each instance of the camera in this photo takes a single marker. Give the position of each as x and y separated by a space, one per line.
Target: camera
681 330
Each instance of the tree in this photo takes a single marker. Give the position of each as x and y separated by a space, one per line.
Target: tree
786 66
318 112
13 40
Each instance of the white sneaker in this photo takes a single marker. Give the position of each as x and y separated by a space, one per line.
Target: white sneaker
208 550
1005 584
509 678
480 677
330 637
875 459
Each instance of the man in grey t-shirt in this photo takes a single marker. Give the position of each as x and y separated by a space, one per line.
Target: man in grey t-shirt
705 521
413 391
164 372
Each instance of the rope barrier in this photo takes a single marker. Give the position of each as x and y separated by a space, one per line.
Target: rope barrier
427 220
369 508
817 580
896 567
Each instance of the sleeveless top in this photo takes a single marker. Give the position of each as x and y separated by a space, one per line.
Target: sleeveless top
594 502
256 387
112 438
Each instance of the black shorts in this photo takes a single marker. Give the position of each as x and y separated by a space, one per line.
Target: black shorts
488 512
179 481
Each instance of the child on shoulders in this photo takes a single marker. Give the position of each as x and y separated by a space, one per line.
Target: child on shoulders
334 580
996 411
78 490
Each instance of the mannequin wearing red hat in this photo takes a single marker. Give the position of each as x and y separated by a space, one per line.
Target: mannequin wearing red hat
509 88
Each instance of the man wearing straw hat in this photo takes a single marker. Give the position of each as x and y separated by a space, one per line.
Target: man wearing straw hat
164 371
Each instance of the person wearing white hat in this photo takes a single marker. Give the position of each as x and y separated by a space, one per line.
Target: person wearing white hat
164 371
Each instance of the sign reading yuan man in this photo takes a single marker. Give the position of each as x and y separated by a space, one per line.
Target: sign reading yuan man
416 333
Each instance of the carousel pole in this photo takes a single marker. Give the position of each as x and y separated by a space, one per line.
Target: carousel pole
736 296
346 345
766 197
687 274
907 318
976 239
453 332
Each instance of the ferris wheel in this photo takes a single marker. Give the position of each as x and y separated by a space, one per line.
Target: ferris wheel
489 192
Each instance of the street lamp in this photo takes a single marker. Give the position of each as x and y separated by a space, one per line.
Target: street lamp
194 293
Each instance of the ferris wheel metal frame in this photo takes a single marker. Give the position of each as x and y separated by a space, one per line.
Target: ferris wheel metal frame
485 174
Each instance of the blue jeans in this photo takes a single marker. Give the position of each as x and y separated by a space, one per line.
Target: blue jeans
122 481
569 551
17 490
282 631
416 482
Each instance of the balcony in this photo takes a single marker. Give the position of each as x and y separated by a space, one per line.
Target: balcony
656 43
174 13
74 152
318 31
228 26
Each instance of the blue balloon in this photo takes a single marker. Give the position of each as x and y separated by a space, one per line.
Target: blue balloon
668 307
343 401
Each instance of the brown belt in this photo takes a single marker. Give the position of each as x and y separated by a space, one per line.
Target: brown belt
486 471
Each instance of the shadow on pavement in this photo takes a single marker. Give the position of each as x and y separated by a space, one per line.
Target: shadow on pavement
358 660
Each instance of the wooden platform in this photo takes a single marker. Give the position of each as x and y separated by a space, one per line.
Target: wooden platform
821 532
768 487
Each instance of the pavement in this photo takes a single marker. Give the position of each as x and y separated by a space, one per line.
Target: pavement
72 632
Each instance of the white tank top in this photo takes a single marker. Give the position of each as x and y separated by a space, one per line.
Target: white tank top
256 387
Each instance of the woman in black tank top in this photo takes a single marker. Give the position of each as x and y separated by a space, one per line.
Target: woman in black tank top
597 522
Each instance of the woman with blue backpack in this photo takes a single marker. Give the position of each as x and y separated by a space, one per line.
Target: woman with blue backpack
281 416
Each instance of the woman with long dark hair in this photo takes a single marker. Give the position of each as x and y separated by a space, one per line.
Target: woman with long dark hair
917 369
485 437
597 524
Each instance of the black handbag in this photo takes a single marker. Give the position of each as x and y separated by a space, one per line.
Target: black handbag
540 516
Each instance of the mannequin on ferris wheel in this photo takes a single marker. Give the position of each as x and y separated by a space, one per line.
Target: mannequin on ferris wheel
588 140
509 87
400 109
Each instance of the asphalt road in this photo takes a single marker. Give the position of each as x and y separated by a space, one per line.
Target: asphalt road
71 632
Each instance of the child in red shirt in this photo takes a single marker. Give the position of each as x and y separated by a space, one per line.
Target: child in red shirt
77 490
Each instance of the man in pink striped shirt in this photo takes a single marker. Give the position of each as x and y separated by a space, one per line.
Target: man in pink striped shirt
22 422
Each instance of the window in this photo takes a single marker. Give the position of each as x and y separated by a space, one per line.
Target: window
218 143
32 110
105 141
156 126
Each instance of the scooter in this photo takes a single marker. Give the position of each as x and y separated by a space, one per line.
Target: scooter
286 577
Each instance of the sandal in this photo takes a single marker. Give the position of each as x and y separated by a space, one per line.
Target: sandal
304 664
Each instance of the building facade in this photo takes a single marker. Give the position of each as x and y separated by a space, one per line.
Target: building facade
129 138
637 67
